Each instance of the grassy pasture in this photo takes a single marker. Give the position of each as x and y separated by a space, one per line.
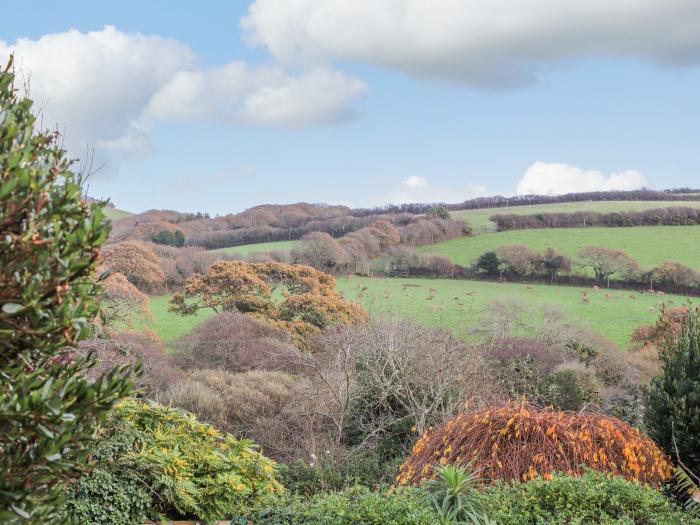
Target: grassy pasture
259 247
650 245
114 213
480 218
457 304
613 318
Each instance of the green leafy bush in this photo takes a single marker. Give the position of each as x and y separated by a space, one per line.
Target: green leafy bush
49 244
353 506
591 499
190 469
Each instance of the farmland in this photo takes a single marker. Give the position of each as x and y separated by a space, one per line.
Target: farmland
457 305
479 219
247 249
650 245
114 213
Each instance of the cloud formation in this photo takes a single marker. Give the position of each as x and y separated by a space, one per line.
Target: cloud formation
482 43
419 189
107 88
544 178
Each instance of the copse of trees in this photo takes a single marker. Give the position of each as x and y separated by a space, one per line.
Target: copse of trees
672 216
49 244
309 300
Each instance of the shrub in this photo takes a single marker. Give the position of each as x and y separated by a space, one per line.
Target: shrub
268 407
49 242
234 342
673 402
139 264
189 469
517 441
570 387
353 506
593 497
455 496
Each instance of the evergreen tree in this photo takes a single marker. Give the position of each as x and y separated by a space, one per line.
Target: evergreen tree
673 401
49 242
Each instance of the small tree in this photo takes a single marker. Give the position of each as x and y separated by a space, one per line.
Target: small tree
518 258
554 263
673 401
488 263
49 242
606 262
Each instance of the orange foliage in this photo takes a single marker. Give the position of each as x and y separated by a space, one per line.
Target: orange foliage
306 303
518 441
137 262
122 300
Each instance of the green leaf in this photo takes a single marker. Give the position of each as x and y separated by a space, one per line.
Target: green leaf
11 308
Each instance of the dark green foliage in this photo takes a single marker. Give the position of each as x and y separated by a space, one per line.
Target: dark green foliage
49 241
354 468
456 496
353 506
672 412
591 499
488 263
187 469
169 238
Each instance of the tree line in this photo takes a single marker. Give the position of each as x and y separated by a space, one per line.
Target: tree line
671 216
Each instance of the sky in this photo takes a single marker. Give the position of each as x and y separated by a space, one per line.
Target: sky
218 106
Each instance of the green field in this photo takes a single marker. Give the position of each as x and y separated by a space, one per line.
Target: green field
479 219
650 245
114 213
614 318
168 325
457 304
259 247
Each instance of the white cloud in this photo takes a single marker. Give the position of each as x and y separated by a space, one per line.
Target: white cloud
96 84
419 189
240 94
106 89
480 42
544 178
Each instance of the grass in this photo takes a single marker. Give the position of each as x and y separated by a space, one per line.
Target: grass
114 213
479 219
259 247
169 325
615 318
458 304
650 245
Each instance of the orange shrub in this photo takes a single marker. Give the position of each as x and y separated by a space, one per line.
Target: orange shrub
517 441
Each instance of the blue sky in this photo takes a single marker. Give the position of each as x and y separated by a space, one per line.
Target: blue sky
339 102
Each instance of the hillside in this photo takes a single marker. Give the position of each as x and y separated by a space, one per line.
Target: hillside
650 245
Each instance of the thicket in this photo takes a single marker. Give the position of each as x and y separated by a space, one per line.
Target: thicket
49 243
672 216
161 463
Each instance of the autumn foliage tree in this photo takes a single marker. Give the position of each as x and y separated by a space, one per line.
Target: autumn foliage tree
49 243
519 442
297 298
138 263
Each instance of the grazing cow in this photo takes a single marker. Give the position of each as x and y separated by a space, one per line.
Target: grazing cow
596 287
528 288
633 297
608 297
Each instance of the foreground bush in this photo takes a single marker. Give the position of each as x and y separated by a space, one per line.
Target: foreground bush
353 506
49 243
519 442
592 498
184 469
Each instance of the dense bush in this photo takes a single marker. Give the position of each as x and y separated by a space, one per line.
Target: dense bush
591 498
519 442
236 343
138 263
673 401
189 469
270 408
49 243
353 506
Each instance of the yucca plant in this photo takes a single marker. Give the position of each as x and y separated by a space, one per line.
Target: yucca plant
685 485
456 497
